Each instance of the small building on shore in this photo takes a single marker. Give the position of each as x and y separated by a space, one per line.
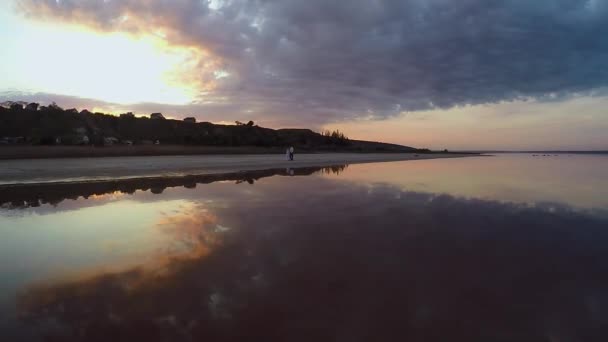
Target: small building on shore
157 116
190 119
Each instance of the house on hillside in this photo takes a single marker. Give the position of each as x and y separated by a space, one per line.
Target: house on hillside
12 140
72 111
82 140
109 141
157 116
32 106
190 119
80 131
129 115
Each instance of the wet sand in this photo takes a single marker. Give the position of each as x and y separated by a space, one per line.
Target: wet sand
96 169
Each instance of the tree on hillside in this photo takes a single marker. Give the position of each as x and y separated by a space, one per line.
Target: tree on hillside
335 137
55 106
336 134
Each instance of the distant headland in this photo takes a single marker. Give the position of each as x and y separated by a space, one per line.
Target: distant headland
35 131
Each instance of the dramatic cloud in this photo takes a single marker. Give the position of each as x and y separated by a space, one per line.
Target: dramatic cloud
336 60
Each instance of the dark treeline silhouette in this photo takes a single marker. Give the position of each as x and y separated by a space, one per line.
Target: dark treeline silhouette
21 196
52 125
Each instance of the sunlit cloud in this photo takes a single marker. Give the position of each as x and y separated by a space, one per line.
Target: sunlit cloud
110 67
126 66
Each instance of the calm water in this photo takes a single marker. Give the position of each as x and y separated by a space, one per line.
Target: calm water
505 248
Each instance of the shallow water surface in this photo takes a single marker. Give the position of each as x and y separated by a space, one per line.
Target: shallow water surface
504 248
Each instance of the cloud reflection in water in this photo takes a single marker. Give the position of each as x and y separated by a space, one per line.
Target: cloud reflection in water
315 258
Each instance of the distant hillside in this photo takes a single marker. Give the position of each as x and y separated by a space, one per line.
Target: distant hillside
31 124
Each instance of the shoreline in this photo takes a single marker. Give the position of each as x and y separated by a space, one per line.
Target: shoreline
16 152
71 170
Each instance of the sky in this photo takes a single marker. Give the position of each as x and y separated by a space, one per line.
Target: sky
461 75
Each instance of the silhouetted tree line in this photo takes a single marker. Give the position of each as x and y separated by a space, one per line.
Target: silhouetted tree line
335 137
52 125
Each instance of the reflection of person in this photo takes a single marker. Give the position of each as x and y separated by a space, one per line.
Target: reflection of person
291 153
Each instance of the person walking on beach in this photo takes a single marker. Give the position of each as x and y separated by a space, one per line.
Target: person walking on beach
287 154
291 153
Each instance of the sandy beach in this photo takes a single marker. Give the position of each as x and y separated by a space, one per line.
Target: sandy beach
97 169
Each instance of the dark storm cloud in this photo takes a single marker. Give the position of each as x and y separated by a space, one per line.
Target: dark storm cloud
333 60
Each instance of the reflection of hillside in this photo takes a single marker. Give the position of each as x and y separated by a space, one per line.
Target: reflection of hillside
25 196
355 265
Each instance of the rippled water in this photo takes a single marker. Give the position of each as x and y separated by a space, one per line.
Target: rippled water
505 248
